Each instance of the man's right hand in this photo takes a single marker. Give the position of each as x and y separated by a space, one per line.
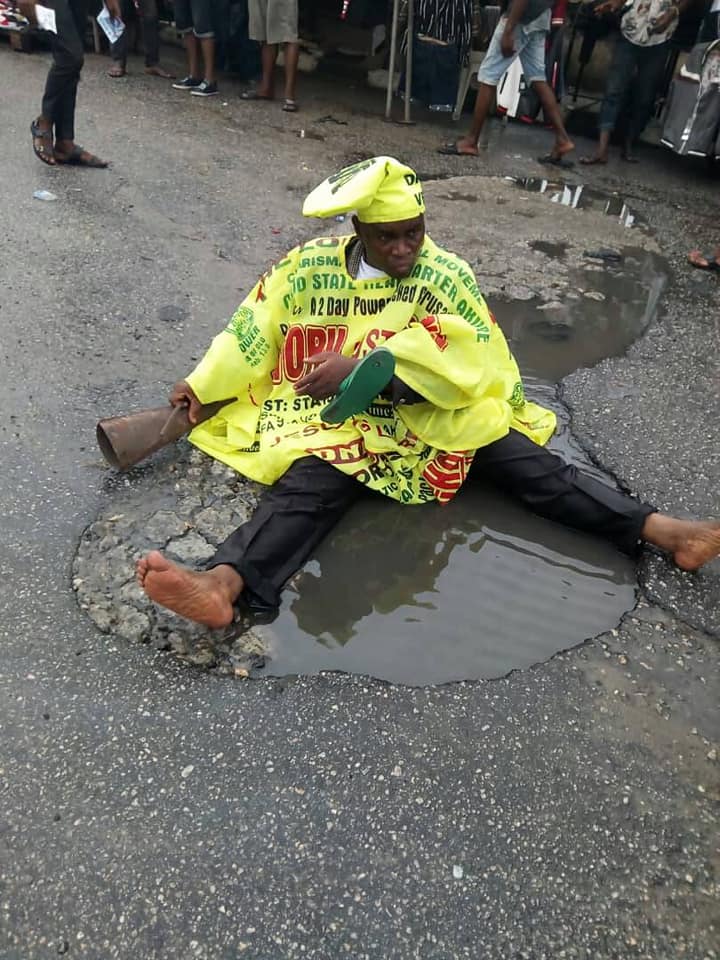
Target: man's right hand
114 9
182 395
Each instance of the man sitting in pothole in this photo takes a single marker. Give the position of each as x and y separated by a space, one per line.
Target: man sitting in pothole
426 396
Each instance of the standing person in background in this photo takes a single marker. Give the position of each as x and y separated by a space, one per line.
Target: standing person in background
275 22
521 32
639 59
194 21
147 12
53 132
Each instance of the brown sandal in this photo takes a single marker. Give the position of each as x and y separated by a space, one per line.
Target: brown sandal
42 152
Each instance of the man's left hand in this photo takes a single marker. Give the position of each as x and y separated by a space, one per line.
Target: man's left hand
507 43
114 9
327 372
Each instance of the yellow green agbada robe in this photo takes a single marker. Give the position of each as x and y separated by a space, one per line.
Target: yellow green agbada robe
447 347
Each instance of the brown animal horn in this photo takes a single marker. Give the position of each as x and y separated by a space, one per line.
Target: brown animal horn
125 441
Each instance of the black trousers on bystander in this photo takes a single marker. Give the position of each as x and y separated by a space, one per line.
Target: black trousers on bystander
58 103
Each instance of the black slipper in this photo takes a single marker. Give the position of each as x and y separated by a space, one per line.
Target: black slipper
451 150
552 161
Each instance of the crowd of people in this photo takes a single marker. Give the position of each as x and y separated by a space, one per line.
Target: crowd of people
640 53
272 23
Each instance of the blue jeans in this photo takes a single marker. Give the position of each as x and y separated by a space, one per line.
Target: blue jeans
641 66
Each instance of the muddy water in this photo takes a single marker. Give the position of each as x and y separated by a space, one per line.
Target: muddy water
481 587
612 304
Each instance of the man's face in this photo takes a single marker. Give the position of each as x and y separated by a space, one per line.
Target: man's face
392 247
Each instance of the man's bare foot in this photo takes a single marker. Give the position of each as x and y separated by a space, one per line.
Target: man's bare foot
700 545
206 597
693 543
116 71
157 71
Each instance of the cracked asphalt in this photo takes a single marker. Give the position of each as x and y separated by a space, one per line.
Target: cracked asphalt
151 809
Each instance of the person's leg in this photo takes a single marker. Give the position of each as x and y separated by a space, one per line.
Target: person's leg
532 58
203 31
553 115
184 27
58 102
293 516
207 45
620 74
268 57
282 28
119 49
292 55
650 66
490 73
554 489
148 11
66 151
192 49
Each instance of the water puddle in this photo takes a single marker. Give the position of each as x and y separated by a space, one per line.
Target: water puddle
580 197
474 590
609 307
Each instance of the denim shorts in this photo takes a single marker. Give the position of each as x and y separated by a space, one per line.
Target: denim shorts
194 16
529 46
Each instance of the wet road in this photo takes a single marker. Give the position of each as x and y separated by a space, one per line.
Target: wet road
149 809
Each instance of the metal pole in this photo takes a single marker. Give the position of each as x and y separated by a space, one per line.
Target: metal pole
409 58
393 46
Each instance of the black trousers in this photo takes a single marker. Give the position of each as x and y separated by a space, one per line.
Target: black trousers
298 511
147 12
58 103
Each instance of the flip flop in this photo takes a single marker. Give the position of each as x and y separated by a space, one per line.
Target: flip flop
359 389
592 161
712 263
451 150
41 152
552 161
253 95
290 106
78 157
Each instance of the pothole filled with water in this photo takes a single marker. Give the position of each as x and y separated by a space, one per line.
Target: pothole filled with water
416 595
